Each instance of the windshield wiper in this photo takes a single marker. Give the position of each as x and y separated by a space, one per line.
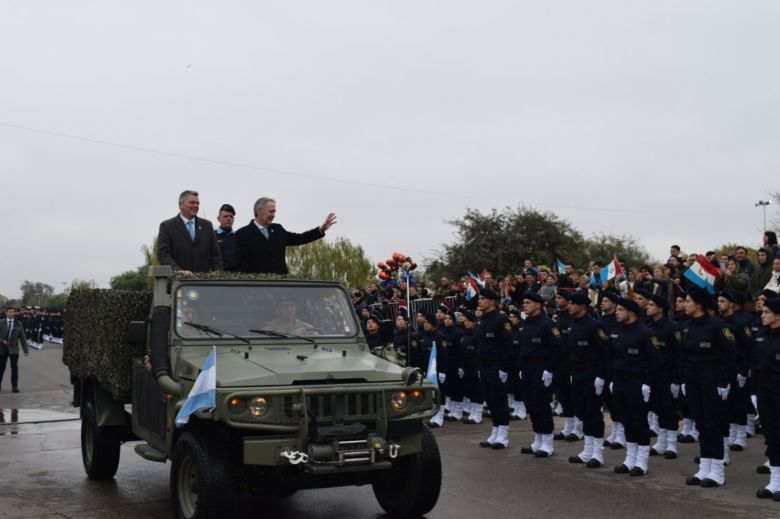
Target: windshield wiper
220 333
274 333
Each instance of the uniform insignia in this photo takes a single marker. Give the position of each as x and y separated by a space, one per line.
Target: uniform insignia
602 335
655 342
556 332
507 326
678 335
414 344
444 344
748 332
728 335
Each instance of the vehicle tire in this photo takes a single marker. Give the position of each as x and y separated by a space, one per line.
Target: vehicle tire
99 445
201 481
412 489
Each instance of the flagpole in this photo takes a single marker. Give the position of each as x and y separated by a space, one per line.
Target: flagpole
408 319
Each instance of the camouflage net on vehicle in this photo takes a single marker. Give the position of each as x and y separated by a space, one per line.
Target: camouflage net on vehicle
95 339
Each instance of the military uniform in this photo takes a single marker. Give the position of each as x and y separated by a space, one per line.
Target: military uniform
472 387
495 351
455 373
662 400
572 429
766 370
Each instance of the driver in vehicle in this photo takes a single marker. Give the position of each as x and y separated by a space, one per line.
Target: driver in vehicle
287 322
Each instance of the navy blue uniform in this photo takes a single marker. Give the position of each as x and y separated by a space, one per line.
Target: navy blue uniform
633 356
667 372
515 384
453 387
495 354
540 350
587 347
609 323
562 375
708 358
738 402
472 388
766 370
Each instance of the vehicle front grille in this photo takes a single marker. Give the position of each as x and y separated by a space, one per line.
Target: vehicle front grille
345 408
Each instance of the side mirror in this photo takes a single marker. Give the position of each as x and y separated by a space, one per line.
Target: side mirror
137 333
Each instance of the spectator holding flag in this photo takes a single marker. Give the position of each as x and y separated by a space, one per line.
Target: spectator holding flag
734 278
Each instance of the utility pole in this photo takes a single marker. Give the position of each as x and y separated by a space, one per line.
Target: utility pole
763 204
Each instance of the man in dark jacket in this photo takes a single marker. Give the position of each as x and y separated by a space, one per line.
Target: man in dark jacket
188 243
260 245
11 337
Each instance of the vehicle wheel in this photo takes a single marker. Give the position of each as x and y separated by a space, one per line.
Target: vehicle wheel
201 481
99 445
413 487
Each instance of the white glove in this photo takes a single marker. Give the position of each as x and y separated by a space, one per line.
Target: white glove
520 375
442 378
547 378
724 391
682 389
612 387
461 373
645 393
741 381
675 388
503 375
599 385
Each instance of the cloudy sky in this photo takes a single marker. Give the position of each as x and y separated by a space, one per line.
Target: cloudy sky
656 119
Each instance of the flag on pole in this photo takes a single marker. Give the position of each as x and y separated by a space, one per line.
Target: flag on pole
471 289
204 391
431 373
703 274
478 279
612 270
561 266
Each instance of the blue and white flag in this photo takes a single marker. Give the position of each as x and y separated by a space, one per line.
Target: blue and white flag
203 393
561 266
431 374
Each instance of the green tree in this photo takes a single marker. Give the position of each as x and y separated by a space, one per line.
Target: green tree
57 301
137 279
339 260
35 293
602 247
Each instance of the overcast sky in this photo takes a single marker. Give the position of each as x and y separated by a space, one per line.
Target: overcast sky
395 115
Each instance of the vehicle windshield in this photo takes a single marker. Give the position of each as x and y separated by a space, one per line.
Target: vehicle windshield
219 311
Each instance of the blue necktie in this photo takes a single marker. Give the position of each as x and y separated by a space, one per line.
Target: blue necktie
265 232
191 229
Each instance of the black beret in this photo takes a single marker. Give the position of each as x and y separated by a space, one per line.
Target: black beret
564 294
488 294
533 296
443 308
630 305
470 316
431 319
768 293
451 313
517 313
700 297
773 304
734 296
403 312
644 293
228 209
661 302
374 318
580 298
611 295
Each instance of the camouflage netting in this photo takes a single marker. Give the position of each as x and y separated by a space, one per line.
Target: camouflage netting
237 276
95 341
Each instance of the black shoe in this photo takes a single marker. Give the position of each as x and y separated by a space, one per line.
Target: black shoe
762 469
776 496
542 454
15 390
748 435
709 483
763 493
636 471
736 447
616 446
485 444
697 459
685 438
433 425
622 469
526 450
449 418
606 443
559 436
576 459
670 455
692 481
593 463
498 446
514 417
654 452
573 438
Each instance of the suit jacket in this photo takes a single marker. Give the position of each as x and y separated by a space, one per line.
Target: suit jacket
17 337
256 254
175 248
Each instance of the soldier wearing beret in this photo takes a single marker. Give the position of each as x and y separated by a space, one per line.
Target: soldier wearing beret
373 335
766 368
516 403
540 350
608 321
708 363
572 425
455 373
495 359
472 387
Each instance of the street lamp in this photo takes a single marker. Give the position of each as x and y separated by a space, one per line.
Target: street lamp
763 204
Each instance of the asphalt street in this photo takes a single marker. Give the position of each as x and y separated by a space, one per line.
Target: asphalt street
41 475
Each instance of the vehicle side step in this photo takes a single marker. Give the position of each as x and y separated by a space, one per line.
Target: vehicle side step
148 452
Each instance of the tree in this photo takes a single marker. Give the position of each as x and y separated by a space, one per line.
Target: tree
332 261
137 279
35 293
57 301
602 247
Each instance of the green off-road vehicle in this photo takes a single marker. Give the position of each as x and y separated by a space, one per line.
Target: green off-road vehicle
300 402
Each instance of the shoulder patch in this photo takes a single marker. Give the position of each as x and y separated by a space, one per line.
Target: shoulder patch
444 344
748 331
655 342
508 326
414 344
602 334
728 335
678 335
556 331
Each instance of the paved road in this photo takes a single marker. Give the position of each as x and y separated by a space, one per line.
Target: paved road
41 475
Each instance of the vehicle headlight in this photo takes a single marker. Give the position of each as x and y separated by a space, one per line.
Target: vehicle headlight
237 405
416 395
258 406
399 400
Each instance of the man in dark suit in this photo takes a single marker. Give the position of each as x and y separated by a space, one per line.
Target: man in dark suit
11 337
188 243
260 245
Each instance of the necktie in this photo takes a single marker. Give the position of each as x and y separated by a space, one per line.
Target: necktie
10 329
265 232
191 229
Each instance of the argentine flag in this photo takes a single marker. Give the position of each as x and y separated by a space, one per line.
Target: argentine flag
203 393
431 373
561 266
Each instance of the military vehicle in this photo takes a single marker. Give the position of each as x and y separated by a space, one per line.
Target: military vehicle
300 401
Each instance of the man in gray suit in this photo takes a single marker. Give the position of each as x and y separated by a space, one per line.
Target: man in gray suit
11 337
188 243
